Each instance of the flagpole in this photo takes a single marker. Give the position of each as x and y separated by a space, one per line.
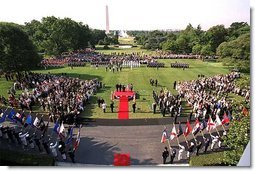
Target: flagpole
217 131
194 137
223 127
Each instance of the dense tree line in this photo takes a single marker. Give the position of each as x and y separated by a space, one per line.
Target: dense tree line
231 44
17 51
53 35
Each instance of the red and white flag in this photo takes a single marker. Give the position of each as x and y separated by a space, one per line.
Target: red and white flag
173 133
210 125
196 127
62 131
188 129
78 139
225 119
164 136
217 121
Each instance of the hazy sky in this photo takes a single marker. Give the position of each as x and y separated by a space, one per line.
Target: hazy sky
131 14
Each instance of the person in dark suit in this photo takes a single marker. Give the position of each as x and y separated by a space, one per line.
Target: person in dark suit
165 154
207 143
112 106
154 106
172 155
134 107
198 146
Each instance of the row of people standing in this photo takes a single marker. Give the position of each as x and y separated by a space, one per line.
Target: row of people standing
194 147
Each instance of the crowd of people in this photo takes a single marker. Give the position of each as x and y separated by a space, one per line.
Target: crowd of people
167 103
33 136
212 142
60 96
179 65
208 95
156 65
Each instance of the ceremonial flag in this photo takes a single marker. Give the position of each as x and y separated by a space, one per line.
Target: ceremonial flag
180 131
217 121
78 139
196 128
46 128
3 116
36 122
210 125
70 138
173 133
41 125
188 129
29 120
164 136
203 125
11 115
225 119
56 127
62 130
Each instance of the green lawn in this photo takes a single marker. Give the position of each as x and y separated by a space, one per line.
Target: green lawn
112 49
140 79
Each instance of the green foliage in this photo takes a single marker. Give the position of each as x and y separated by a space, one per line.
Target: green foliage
17 52
243 82
54 35
213 159
237 138
238 51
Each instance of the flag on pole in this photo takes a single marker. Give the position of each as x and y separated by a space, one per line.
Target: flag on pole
180 131
11 115
173 133
36 122
29 120
188 129
225 119
196 128
164 136
78 139
203 125
62 131
217 121
41 125
70 138
46 128
56 127
2 117
210 125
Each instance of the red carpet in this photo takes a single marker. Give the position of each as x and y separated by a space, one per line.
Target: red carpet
121 159
123 108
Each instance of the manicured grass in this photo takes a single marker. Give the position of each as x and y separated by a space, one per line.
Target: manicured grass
213 159
113 49
126 40
4 86
139 77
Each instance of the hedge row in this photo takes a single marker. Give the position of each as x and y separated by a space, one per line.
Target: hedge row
212 159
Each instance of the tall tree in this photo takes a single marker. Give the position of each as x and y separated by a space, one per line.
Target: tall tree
17 52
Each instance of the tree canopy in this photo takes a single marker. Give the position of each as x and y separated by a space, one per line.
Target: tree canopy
17 52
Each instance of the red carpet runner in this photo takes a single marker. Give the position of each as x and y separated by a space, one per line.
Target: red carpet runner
123 108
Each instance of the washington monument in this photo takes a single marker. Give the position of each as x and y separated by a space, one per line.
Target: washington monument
107 20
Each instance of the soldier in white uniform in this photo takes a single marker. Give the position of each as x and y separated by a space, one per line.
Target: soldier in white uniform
53 149
181 151
23 139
